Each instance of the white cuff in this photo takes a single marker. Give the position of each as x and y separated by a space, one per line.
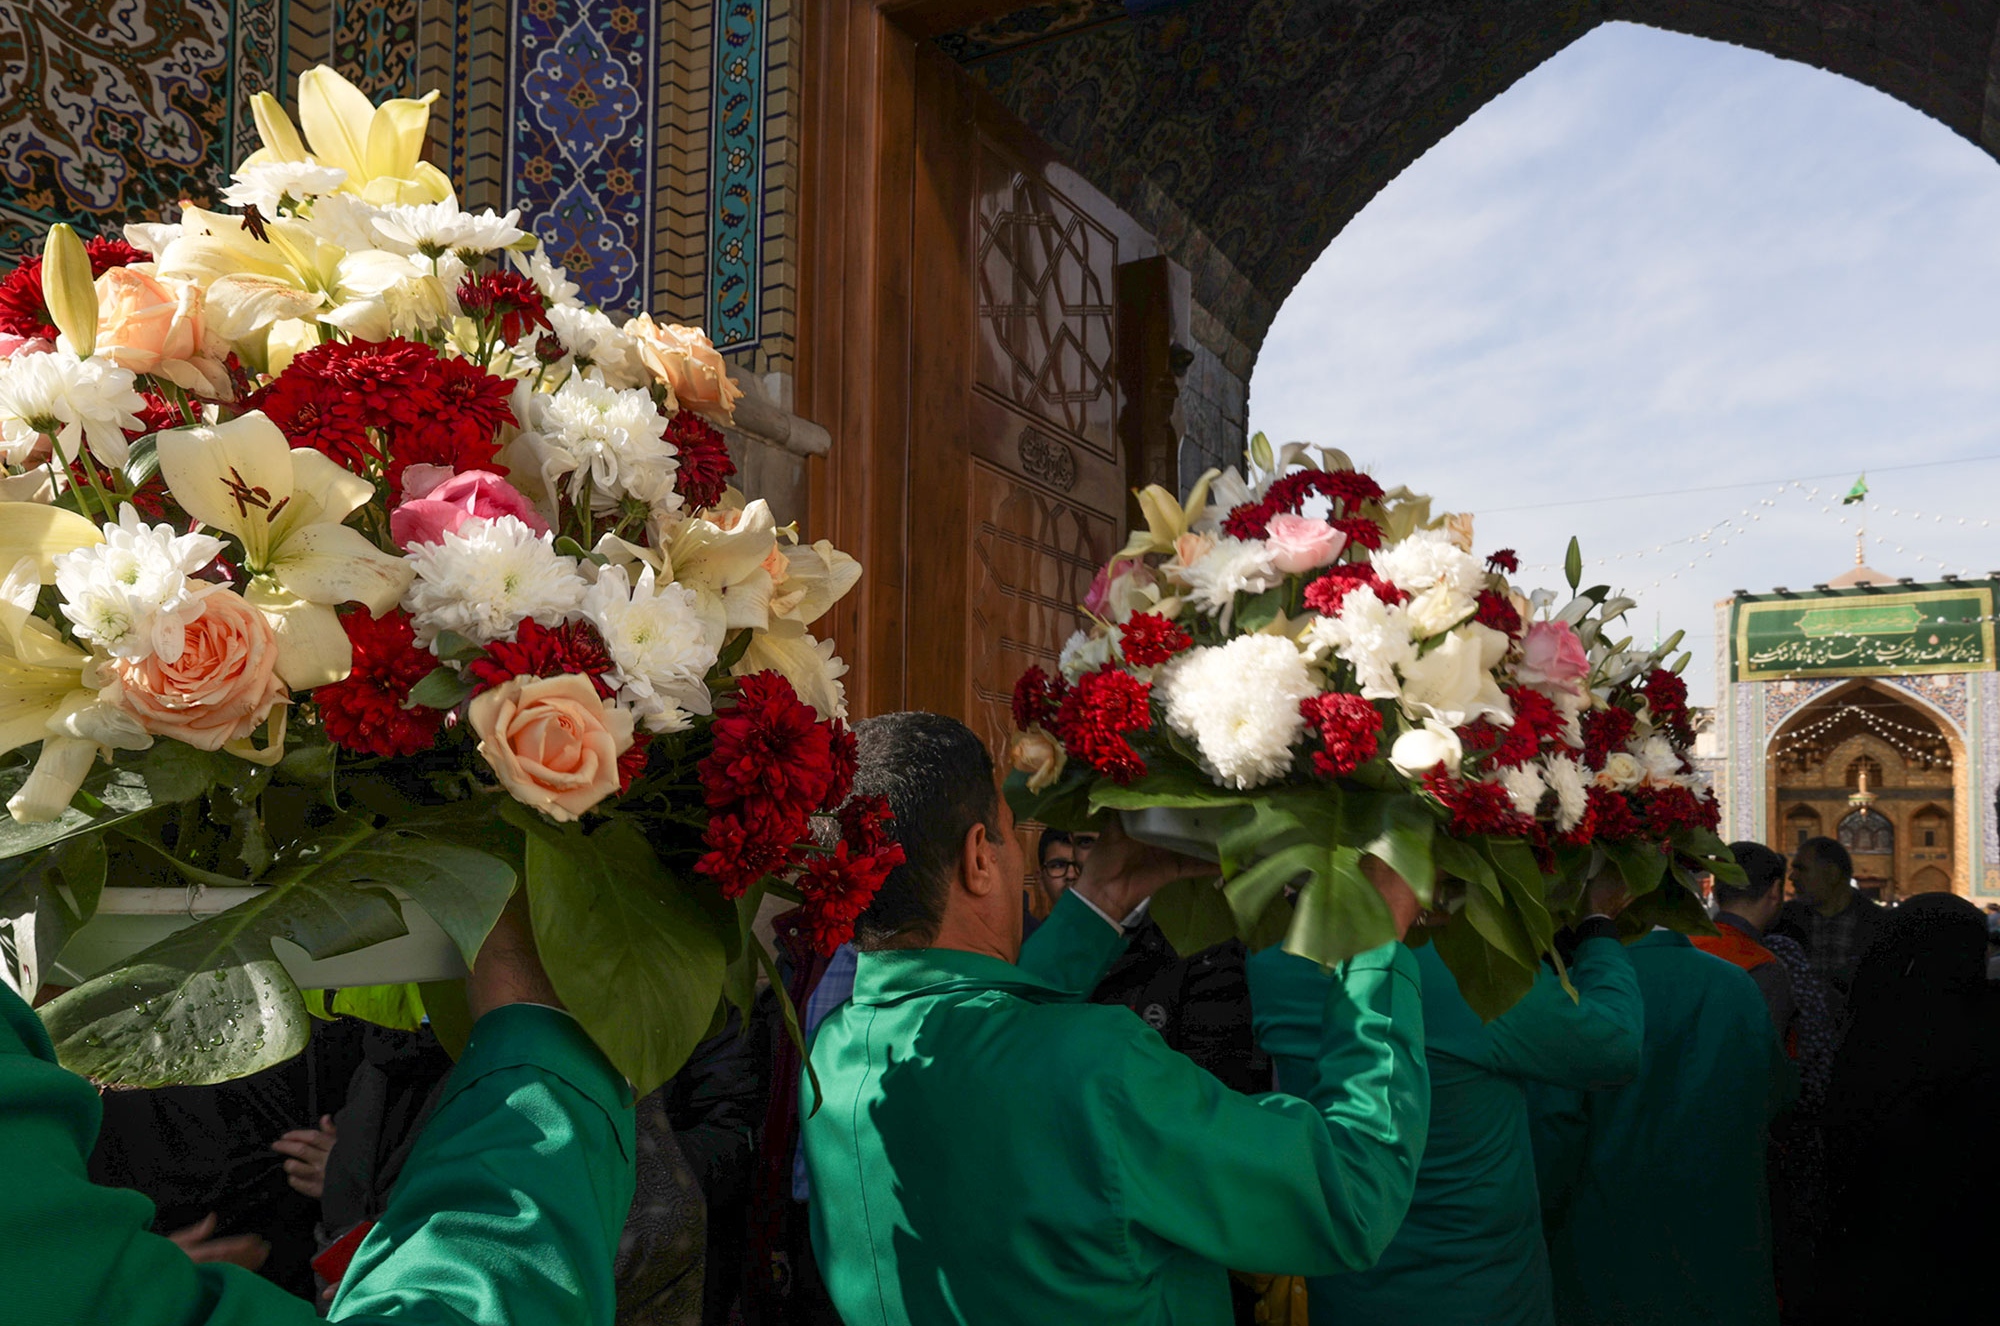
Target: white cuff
1132 918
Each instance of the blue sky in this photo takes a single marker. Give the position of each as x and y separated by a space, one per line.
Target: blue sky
1659 263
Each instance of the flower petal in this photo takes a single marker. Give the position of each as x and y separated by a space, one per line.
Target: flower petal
325 487
336 116
58 772
396 136
313 650
275 128
230 476
43 533
328 563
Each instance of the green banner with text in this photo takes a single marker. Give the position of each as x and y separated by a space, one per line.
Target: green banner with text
1863 632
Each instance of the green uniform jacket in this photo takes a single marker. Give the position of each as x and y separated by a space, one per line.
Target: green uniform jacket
1653 1194
993 1149
507 1214
1470 1253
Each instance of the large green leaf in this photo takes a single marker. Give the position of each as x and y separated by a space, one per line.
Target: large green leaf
1170 783
1501 927
463 889
1395 828
1491 982
1193 915
1063 804
111 794
1641 862
45 899
398 1006
636 959
1338 913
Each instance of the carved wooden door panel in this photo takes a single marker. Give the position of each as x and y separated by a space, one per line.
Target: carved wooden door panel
1017 458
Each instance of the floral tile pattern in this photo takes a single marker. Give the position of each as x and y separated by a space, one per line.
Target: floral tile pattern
736 173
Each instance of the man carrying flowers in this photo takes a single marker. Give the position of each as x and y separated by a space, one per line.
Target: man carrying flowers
992 1148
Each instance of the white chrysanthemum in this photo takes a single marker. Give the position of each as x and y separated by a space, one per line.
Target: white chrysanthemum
393 294
1525 787
617 440
1372 637
1662 762
1083 652
77 402
486 577
1231 567
1571 784
1239 703
434 229
657 643
1441 578
551 280
130 594
267 184
344 221
596 342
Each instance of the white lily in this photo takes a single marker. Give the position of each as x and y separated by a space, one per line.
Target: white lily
1167 519
38 533
380 147
250 282
722 556
46 695
286 506
817 576
810 665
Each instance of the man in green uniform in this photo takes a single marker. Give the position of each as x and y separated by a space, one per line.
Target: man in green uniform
507 1214
1653 1193
1470 1253
993 1149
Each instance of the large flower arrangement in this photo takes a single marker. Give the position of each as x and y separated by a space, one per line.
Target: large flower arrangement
348 554
1318 669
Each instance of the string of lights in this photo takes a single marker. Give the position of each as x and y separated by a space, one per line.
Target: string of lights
1927 746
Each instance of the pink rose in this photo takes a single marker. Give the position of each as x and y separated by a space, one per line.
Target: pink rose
551 742
147 326
11 345
433 508
1300 543
1553 658
1114 593
220 688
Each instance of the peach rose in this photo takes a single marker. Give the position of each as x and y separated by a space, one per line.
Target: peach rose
1038 755
220 688
686 361
552 742
147 326
1300 543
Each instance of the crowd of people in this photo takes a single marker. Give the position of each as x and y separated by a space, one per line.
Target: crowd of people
1045 1113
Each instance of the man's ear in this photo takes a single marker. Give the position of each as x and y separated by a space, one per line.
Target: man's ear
979 861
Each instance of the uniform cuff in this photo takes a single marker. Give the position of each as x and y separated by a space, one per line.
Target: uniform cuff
547 1040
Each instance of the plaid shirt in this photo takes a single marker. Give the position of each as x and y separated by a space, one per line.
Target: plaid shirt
1835 943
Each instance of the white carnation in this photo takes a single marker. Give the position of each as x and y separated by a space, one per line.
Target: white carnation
1525 787
266 184
659 649
1231 567
486 577
1239 703
76 402
433 229
596 342
1372 637
1662 762
130 595
1439 576
617 440
1571 785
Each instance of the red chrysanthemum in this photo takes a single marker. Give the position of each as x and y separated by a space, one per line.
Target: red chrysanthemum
1505 560
1349 729
317 414
1477 807
544 651
461 408
507 298
1497 611
1094 717
839 884
770 747
742 850
23 309
369 711
1326 594
845 753
1036 697
705 465
1149 639
1605 732
633 762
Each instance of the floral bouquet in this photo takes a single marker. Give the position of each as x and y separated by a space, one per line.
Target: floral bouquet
1297 670
348 556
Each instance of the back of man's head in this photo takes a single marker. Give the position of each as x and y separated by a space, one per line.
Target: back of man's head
938 779
1765 868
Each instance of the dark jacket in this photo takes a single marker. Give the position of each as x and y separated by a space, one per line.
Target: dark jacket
1200 1005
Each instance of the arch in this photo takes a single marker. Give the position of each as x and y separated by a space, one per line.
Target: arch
1929 880
1802 822
1864 764
1346 96
1930 827
1868 832
1818 707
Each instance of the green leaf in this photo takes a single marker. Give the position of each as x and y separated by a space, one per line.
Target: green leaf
1460 860
398 1006
142 462
213 1002
441 688
1491 982
634 956
175 772
1165 785
451 647
1193 915
451 1017
791 1019
1674 906
1260 610
1338 913
1640 862
462 888
1572 571
1261 454
1501 928
1063 804
1396 829
733 650
113 794
45 899
308 766
1526 887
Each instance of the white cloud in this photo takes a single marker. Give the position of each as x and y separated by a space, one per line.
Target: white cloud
1660 263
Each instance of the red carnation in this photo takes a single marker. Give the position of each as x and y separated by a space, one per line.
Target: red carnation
1252 520
1505 560
1036 697
1611 815
1361 532
845 753
1350 489
1094 717
1503 747
838 885
369 711
1349 729
1477 807
633 762
1497 611
1669 809
1149 639
1537 713
507 298
544 651
1326 594
23 309
1605 732
705 464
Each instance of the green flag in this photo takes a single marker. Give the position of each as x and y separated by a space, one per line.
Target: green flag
1857 492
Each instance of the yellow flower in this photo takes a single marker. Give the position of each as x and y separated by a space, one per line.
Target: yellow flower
380 147
1166 518
47 695
67 288
287 507
250 280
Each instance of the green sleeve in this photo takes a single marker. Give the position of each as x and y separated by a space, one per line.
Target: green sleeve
1559 1126
1276 1183
1073 948
1588 1042
509 1211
